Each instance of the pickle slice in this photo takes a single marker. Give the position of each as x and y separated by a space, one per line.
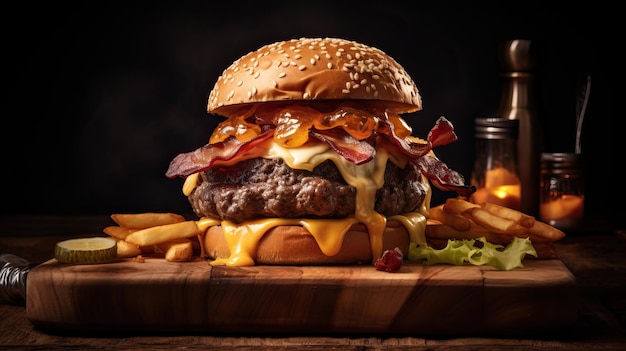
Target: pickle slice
86 250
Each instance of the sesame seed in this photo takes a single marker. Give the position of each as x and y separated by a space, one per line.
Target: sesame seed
375 76
274 83
355 86
302 67
363 81
239 83
345 91
257 74
298 57
329 65
306 95
230 95
282 75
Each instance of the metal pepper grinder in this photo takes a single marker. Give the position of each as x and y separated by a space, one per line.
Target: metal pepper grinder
517 62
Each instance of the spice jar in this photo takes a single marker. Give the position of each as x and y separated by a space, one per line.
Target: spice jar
562 196
495 174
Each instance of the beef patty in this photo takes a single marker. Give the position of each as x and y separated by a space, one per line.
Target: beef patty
261 187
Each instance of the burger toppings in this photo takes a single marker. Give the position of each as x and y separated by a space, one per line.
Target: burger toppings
295 133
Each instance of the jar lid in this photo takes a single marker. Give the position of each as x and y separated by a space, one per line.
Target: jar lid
496 128
560 162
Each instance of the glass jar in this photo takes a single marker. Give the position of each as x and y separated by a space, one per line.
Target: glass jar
562 196
495 174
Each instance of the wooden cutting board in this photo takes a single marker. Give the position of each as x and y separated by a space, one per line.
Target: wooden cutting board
159 296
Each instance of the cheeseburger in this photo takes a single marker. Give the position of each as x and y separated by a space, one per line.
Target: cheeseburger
313 163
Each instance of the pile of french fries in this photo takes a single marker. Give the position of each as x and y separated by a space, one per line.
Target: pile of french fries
163 233
461 219
176 238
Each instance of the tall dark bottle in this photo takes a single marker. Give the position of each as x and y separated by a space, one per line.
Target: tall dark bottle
518 101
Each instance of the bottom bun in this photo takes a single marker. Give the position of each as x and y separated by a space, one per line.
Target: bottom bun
294 245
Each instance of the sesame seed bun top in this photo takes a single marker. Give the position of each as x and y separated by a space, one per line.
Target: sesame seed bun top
314 69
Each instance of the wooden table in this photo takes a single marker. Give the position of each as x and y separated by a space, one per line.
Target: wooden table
596 257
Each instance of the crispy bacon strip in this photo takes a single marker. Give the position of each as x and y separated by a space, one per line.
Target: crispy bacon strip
206 156
436 171
408 147
443 177
353 150
442 133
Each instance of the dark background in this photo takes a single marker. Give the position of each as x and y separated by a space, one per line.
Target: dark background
100 97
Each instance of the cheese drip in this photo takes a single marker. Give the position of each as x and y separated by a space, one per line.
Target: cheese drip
243 238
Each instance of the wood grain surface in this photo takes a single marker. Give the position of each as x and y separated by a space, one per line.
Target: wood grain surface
159 296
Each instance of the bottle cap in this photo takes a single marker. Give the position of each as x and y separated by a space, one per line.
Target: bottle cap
496 128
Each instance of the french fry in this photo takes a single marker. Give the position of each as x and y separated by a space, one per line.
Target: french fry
178 250
495 223
543 232
508 213
127 250
118 232
146 219
163 233
456 221
458 206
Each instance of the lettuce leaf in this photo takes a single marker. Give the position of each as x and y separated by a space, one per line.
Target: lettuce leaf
459 252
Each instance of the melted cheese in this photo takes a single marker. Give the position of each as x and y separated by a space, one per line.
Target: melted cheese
243 238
